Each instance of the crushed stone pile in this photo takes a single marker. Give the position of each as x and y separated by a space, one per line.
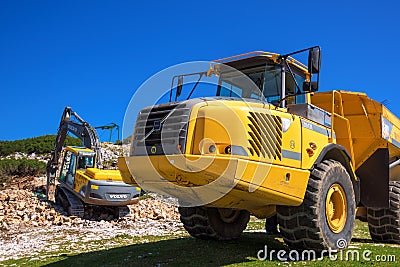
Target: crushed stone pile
20 208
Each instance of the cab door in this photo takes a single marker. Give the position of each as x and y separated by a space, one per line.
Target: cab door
67 174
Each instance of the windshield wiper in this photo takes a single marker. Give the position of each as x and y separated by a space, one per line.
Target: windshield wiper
194 87
291 72
180 84
286 97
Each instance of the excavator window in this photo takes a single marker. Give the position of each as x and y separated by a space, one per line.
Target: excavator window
85 162
71 170
65 166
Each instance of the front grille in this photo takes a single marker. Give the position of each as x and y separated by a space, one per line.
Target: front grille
161 128
265 133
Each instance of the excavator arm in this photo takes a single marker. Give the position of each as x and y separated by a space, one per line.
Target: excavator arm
72 123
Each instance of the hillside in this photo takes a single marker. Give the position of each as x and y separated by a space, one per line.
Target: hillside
38 145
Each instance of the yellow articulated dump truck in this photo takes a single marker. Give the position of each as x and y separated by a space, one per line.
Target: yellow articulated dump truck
267 144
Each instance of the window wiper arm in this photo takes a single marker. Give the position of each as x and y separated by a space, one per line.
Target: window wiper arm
194 87
286 97
291 73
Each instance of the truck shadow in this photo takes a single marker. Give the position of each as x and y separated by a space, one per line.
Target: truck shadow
363 240
188 251
184 251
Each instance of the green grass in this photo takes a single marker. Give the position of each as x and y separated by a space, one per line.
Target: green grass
182 250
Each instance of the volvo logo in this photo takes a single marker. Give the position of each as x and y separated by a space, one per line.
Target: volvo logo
157 125
118 196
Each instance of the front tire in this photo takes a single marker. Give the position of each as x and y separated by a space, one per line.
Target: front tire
214 223
325 219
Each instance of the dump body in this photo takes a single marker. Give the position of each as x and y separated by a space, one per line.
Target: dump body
371 125
371 135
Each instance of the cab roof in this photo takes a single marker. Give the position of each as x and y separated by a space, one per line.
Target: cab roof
77 149
258 58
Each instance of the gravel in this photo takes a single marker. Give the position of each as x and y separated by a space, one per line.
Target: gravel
32 227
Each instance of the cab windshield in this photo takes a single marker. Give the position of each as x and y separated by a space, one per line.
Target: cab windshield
268 81
262 83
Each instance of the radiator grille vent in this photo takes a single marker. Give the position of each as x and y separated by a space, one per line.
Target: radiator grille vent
265 133
163 127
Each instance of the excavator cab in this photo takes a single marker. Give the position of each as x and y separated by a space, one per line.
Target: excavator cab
82 180
76 158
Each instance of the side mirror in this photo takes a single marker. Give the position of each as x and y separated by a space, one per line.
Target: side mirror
310 86
179 87
314 60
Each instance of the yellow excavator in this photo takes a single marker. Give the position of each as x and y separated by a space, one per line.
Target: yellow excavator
82 183
308 162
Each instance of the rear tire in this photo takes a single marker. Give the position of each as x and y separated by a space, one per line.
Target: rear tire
325 219
384 224
214 223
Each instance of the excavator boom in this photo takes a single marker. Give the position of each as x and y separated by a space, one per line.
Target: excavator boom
72 123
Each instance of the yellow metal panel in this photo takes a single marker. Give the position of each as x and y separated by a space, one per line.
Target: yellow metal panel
80 181
263 176
94 187
276 186
191 126
227 123
125 173
97 174
313 134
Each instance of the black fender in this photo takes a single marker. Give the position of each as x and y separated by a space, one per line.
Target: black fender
340 154
374 180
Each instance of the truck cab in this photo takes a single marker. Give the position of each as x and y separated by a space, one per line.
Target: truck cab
266 74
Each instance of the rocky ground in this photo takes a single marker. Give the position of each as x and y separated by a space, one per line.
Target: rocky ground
30 225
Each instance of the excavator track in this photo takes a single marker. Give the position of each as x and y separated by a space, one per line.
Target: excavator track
122 211
69 202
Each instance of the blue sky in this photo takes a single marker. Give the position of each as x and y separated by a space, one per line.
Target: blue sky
93 55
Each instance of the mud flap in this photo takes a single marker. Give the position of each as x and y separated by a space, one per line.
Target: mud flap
374 180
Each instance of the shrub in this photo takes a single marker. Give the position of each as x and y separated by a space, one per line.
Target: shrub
22 167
